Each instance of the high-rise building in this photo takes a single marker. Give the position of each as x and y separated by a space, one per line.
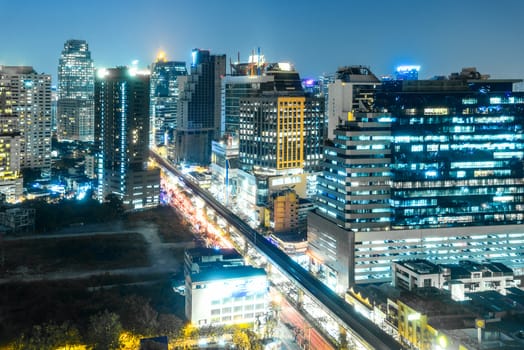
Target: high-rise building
75 106
199 108
455 149
10 176
281 127
122 138
244 81
280 139
164 99
30 106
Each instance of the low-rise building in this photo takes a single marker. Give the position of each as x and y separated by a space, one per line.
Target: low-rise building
464 277
220 289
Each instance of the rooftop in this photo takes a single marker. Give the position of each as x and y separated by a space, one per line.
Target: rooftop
225 273
420 266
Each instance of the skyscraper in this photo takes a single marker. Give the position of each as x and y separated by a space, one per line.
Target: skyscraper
122 138
164 99
75 106
10 176
30 106
454 180
244 81
198 115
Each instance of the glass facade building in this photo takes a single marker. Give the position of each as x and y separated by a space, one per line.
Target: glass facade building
448 160
122 138
164 99
199 108
458 152
75 105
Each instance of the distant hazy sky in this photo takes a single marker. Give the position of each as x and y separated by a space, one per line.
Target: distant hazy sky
317 36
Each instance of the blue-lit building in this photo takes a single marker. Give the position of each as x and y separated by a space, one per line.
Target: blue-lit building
407 72
122 138
454 182
164 99
75 105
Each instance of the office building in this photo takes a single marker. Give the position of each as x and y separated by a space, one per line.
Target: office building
199 108
281 127
455 151
30 110
221 290
164 99
244 81
122 138
281 135
75 105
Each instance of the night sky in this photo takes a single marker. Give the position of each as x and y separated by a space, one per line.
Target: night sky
317 36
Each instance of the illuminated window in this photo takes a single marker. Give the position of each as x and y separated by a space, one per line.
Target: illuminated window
436 111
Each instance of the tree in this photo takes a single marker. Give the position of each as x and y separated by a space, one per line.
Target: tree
49 336
138 316
114 205
169 325
241 340
104 331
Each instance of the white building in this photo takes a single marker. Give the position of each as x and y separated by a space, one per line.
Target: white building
228 295
220 289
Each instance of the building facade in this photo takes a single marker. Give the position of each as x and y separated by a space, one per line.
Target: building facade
352 90
30 110
10 176
164 99
455 181
224 166
281 127
122 138
460 278
75 105
221 290
199 108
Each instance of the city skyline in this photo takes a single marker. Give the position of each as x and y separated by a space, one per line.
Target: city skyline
442 37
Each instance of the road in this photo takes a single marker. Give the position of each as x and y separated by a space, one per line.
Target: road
362 330
304 332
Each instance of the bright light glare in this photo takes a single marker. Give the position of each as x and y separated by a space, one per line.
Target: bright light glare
407 68
284 66
414 317
102 73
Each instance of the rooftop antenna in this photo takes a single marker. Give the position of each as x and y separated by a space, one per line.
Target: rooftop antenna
258 61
